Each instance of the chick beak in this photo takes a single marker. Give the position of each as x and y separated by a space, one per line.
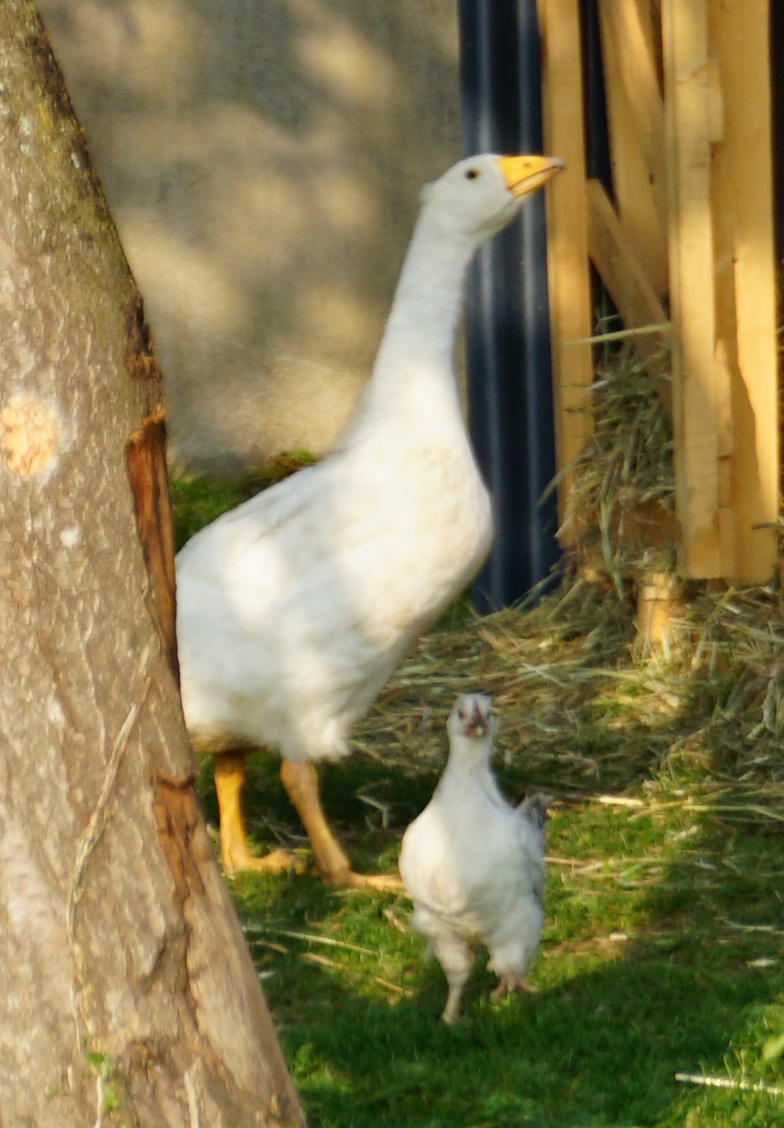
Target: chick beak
524 174
476 725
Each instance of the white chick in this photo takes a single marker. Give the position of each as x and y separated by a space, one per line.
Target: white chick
474 865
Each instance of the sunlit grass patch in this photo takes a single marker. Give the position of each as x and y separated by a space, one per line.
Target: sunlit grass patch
662 952
662 948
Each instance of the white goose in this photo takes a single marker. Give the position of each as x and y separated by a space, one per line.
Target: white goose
295 608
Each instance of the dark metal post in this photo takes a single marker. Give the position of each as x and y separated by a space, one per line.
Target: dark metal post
507 321
596 132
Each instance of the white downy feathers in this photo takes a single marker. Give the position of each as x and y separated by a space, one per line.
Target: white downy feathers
474 865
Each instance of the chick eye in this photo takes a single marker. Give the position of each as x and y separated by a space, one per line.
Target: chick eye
471 173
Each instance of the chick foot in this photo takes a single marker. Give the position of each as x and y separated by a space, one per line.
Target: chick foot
509 984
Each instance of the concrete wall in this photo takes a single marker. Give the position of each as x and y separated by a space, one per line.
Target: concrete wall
263 160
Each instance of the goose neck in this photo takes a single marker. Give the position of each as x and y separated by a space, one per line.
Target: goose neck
424 315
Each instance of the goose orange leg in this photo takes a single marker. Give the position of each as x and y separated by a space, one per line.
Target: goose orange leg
301 784
229 773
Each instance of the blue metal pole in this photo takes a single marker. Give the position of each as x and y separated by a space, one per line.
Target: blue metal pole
507 322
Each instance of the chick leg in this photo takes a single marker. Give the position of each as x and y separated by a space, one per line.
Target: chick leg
301 784
456 959
229 773
449 1016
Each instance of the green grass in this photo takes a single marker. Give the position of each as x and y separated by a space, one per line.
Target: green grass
199 500
660 955
654 960
642 973
662 950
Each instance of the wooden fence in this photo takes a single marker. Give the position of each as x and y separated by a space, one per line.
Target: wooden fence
687 244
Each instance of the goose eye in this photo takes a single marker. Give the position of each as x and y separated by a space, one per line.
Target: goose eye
471 173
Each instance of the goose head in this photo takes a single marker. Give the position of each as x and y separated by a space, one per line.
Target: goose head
479 195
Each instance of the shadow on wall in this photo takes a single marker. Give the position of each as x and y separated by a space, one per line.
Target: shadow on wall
263 160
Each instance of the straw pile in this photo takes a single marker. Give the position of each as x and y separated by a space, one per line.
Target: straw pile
621 507
585 707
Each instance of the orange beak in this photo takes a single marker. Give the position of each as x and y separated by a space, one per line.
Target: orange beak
525 174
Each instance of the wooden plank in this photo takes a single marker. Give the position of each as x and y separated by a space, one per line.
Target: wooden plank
725 437
627 284
691 264
722 375
636 126
728 535
650 15
641 83
746 278
646 17
627 36
569 281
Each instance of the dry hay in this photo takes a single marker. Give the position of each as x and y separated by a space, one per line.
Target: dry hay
621 507
583 707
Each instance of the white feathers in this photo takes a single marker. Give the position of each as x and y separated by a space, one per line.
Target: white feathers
474 865
294 609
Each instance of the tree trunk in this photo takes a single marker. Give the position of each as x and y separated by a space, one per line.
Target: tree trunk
126 991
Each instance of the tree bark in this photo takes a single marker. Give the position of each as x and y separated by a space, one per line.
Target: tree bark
127 994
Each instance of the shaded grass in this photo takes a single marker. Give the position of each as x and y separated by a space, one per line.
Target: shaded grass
662 949
657 957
